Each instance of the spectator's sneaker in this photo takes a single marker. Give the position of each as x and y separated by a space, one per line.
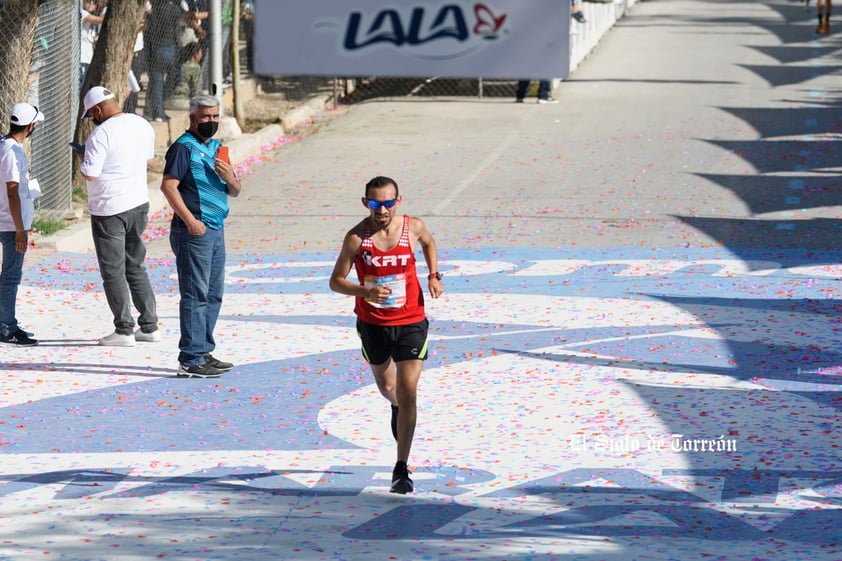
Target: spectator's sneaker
198 371
19 339
580 17
519 100
151 337
394 422
117 340
548 100
210 360
401 483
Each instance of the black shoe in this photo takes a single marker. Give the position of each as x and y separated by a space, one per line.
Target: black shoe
580 17
19 339
198 371
395 421
218 364
401 483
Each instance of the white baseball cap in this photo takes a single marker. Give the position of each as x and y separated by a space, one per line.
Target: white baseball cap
24 114
95 96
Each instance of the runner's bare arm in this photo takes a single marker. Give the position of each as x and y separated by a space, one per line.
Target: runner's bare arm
431 255
338 279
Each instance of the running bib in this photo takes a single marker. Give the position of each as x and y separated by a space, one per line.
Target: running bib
397 283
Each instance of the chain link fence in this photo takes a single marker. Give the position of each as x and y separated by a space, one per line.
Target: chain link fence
53 89
43 75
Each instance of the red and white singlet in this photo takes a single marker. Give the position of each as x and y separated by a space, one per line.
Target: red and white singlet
396 269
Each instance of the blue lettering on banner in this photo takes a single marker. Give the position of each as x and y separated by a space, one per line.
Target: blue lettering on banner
394 32
414 27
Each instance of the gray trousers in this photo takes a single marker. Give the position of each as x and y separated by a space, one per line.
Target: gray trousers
118 241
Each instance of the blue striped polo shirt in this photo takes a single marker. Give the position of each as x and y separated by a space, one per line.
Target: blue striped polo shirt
191 161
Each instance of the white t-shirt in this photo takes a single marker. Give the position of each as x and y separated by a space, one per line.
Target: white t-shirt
115 156
88 35
14 167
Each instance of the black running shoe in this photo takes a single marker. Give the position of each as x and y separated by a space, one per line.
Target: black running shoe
218 364
19 338
198 371
395 421
401 483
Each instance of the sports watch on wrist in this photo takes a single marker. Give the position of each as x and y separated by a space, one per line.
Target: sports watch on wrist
435 275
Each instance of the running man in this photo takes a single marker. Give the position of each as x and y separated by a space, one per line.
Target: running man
391 320
823 8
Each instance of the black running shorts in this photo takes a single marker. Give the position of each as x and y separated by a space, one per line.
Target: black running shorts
401 342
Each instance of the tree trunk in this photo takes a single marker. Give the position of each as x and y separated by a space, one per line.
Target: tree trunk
112 58
114 50
17 28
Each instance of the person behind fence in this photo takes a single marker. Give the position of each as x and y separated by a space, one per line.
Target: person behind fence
576 12
544 88
17 211
191 68
89 30
161 42
389 305
247 25
114 165
197 184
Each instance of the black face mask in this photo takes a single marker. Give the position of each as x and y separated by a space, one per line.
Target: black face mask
207 129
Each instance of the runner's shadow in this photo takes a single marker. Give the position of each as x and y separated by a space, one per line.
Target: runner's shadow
67 343
89 368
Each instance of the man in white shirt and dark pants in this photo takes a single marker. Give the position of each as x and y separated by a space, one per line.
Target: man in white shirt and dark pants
114 164
17 210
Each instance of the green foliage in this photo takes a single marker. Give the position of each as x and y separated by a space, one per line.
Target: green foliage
46 225
80 191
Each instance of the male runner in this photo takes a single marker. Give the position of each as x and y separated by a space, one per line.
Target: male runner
391 320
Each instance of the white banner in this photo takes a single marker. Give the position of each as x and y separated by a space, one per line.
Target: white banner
453 38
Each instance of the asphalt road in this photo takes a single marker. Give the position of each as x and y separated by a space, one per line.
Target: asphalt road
636 356
685 127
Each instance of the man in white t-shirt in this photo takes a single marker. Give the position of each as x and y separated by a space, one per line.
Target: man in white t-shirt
114 164
16 213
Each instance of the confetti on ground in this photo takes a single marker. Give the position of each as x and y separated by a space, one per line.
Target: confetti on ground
549 416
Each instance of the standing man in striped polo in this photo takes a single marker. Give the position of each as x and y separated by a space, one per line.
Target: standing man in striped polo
197 185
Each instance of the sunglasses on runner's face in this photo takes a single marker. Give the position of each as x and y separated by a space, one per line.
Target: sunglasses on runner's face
375 205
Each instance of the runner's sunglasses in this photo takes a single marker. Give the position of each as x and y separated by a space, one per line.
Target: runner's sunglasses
375 205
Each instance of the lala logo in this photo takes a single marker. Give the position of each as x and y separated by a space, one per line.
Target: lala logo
440 32
487 23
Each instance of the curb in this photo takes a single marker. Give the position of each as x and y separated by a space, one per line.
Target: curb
77 238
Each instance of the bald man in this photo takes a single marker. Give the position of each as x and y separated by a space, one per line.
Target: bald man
114 164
